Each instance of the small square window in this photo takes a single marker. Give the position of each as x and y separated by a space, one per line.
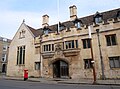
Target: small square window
5 48
4 39
98 20
37 65
3 57
86 43
87 63
78 24
46 32
111 40
114 62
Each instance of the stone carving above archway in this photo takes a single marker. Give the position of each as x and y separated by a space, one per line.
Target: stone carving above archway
58 51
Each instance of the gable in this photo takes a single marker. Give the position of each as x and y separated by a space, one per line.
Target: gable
23 33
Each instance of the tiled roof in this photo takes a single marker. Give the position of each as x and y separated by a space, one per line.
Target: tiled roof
87 20
36 32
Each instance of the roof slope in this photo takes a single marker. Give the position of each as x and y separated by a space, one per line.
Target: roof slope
36 32
87 20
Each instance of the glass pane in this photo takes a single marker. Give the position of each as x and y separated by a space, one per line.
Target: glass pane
63 45
46 32
66 44
111 63
69 45
23 56
84 44
116 61
46 47
72 43
20 60
17 57
49 47
76 24
108 40
79 24
88 43
52 47
85 63
113 39
98 20
76 41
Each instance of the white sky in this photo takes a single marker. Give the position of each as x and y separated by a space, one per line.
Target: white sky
12 12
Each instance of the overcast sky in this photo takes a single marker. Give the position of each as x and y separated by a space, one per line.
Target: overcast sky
12 12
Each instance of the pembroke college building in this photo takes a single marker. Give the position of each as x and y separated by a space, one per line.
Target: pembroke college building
65 50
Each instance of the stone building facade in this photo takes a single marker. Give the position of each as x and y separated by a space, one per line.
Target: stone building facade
65 50
4 45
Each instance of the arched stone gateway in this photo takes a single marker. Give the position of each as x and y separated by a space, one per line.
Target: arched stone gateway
60 69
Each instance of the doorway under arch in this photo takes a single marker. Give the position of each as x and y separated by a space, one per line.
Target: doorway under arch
4 68
60 69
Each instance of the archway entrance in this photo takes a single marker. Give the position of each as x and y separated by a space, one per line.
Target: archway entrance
60 69
4 68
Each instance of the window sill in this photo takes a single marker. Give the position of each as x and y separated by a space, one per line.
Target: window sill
20 65
88 68
79 29
68 30
46 35
86 48
111 45
117 68
96 25
21 37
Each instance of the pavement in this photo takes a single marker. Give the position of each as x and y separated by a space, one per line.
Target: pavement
66 81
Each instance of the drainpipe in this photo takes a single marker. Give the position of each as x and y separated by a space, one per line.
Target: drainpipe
41 68
101 58
93 61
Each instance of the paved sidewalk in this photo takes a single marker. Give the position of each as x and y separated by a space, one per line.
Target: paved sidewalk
65 81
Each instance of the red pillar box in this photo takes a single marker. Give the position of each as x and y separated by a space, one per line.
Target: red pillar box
25 74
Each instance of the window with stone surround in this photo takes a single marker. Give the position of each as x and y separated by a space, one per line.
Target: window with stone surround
78 24
71 44
22 34
86 43
98 18
118 14
20 55
111 40
37 65
5 40
5 48
46 31
87 63
48 47
3 57
114 62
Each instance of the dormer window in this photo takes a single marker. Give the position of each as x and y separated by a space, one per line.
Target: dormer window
61 28
4 39
98 18
78 24
46 32
118 14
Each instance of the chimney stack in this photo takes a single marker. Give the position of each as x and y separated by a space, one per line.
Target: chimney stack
73 12
45 20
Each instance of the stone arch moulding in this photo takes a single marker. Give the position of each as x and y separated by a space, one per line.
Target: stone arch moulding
56 59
